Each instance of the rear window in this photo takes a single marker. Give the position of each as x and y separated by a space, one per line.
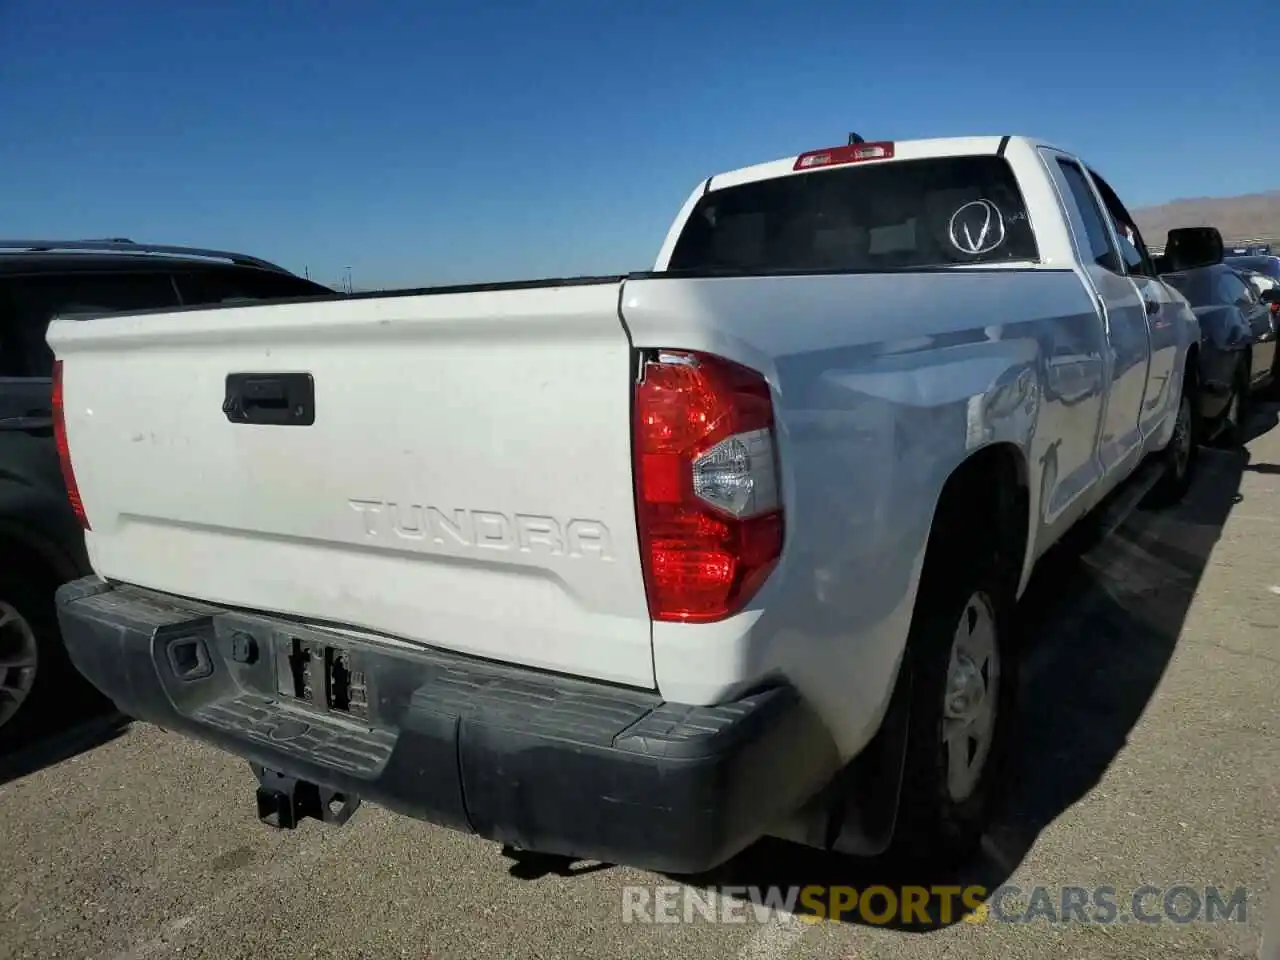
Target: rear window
1198 286
901 215
28 303
228 285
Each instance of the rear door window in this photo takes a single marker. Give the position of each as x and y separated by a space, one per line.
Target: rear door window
1133 250
28 303
1097 235
228 285
896 215
1233 290
1198 286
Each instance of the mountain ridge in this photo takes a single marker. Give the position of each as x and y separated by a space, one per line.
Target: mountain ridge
1242 217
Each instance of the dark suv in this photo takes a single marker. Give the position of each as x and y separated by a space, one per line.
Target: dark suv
41 544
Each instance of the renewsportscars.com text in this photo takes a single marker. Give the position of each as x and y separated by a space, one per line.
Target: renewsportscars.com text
909 906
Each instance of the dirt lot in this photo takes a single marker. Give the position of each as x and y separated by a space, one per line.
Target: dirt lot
1150 756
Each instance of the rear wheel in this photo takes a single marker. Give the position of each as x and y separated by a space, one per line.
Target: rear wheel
1182 451
963 698
1237 416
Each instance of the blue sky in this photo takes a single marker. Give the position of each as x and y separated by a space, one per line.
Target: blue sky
428 142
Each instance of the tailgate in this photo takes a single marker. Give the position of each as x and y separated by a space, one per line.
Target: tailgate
466 482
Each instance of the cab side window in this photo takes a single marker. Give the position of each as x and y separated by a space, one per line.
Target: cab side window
213 285
28 303
1097 236
1134 263
12 344
1133 251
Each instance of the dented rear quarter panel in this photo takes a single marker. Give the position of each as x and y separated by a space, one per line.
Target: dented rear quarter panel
883 385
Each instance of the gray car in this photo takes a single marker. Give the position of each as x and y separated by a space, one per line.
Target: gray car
41 543
1238 343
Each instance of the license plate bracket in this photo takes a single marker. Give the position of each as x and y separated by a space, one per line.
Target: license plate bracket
321 673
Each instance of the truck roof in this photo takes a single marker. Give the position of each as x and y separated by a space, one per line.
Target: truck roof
902 150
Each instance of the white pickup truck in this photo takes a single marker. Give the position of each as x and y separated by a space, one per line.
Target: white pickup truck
636 569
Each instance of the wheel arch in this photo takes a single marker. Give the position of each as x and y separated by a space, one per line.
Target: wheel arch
991 485
51 562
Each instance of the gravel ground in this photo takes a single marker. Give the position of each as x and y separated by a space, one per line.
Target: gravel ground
1149 756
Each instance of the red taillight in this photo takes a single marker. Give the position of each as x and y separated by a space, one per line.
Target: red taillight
707 494
855 152
1275 308
64 450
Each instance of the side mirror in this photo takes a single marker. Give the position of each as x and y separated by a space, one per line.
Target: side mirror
1270 295
1191 247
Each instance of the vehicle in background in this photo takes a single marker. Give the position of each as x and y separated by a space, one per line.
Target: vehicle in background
1256 249
1238 334
1268 290
1266 265
41 542
1259 281
638 569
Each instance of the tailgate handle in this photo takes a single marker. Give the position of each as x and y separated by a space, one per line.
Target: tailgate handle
280 399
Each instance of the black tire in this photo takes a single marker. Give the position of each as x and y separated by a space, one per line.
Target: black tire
1182 453
935 827
30 596
1236 419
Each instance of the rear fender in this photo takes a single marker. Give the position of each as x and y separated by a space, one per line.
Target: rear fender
883 385
1224 329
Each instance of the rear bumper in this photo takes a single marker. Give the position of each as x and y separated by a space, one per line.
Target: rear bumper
542 762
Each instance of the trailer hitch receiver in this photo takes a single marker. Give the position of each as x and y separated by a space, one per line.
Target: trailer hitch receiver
283 801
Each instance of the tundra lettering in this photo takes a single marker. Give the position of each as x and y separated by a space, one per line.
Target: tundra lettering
484 529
